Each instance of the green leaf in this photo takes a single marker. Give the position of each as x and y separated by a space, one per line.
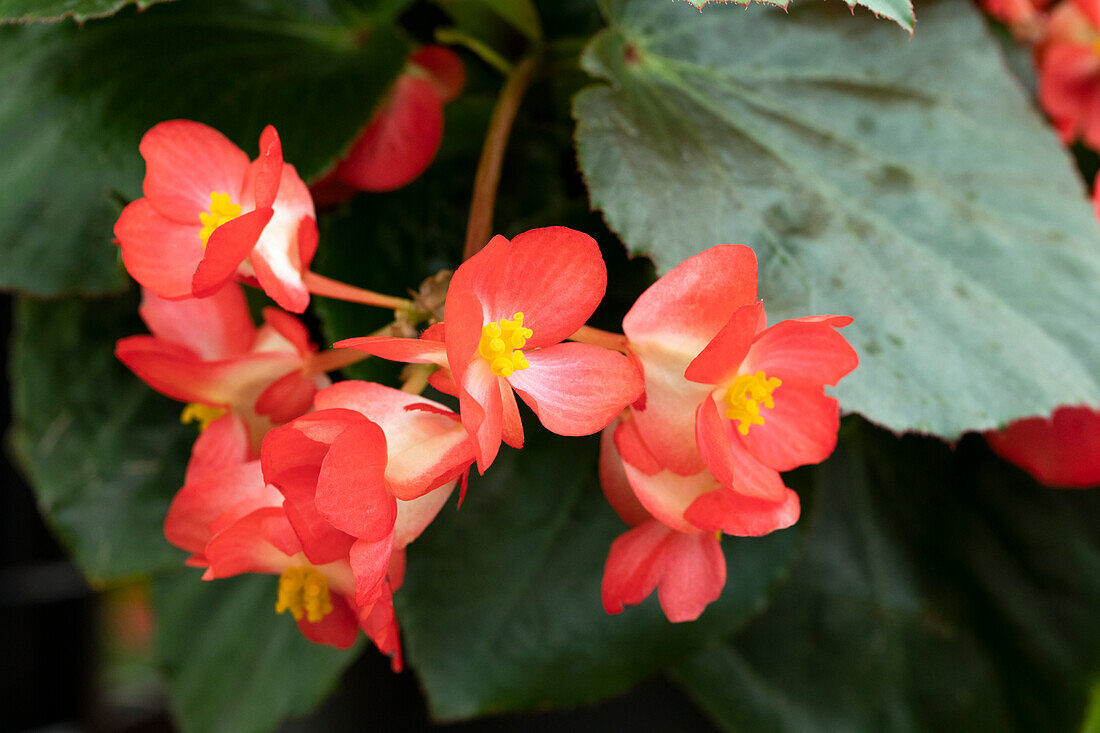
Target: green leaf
501 608
907 183
78 100
103 452
230 661
939 589
52 11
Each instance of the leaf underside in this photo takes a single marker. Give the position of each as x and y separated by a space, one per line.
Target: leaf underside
906 183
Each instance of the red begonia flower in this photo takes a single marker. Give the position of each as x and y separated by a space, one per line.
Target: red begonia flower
1062 450
208 215
207 352
508 309
364 475
723 391
405 132
233 522
320 596
1024 17
1069 71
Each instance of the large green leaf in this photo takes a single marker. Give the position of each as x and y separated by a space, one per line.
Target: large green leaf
103 452
501 604
938 590
78 99
907 183
51 11
231 662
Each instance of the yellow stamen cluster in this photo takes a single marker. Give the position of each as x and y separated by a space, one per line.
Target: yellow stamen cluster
200 413
304 591
501 342
222 209
745 397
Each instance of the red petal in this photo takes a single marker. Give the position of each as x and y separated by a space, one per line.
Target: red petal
482 412
512 424
633 569
689 568
214 328
396 572
400 141
215 500
308 239
809 352
442 380
695 573
728 459
445 70
223 444
158 252
185 162
339 627
577 389
1068 86
226 249
380 625
291 329
180 374
416 351
370 559
744 516
800 430
292 457
265 173
634 450
689 305
260 542
613 480
287 398
424 449
721 358
351 487
1063 450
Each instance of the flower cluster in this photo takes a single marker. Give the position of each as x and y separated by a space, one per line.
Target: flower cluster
729 404
324 485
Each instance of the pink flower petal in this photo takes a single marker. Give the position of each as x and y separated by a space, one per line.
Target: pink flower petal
158 252
800 430
577 389
187 161
213 328
729 460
